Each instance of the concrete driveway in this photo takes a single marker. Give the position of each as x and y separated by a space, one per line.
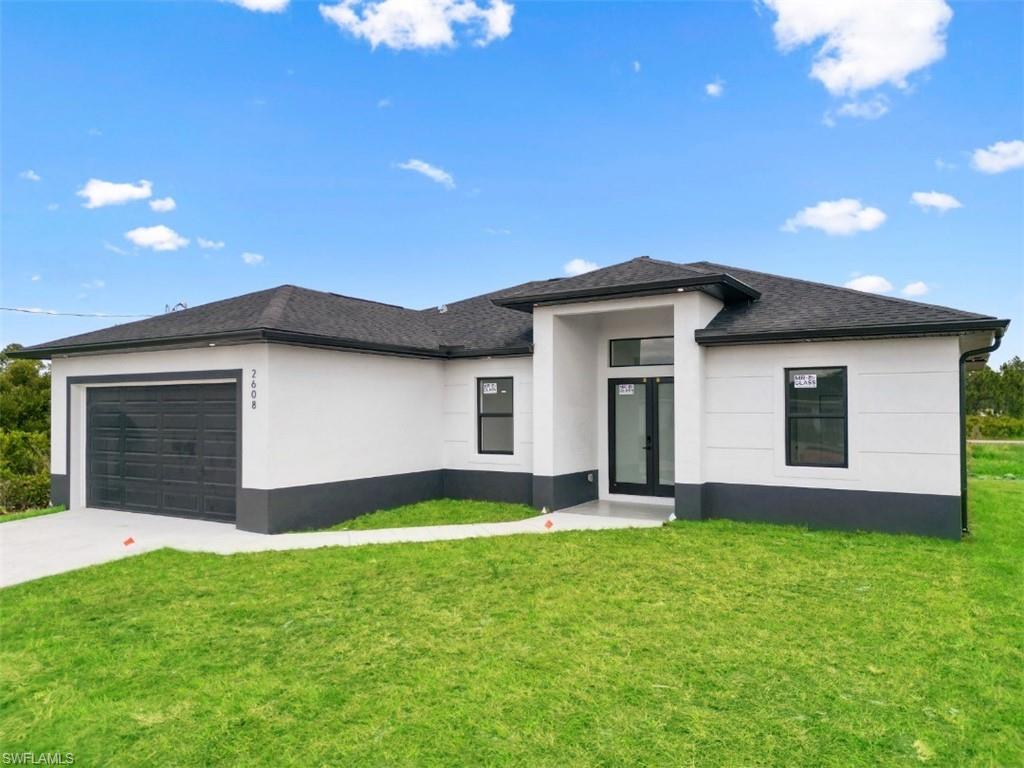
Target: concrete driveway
43 546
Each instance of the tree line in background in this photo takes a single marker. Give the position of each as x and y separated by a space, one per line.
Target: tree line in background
24 432
994 401
994 404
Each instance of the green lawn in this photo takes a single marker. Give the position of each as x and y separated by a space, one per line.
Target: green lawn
438 512
993 460
7 517
710 644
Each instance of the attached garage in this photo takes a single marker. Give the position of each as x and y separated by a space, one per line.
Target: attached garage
164 449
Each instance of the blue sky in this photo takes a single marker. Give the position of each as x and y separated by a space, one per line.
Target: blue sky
571 131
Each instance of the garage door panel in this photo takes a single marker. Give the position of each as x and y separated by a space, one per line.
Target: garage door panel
136 470
218 450
100 443
142 445
166 449
103 419
219 421
140 420
144 497
108 495
219 506
187 421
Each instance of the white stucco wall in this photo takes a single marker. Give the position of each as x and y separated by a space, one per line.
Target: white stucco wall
903 404
344 415
460 414
255 424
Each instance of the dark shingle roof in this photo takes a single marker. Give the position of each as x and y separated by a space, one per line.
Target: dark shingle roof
285 310
759 307
632 277
801 307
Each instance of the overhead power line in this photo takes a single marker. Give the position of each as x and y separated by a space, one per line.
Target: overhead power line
54 313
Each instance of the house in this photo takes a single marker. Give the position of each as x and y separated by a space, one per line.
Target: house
719 391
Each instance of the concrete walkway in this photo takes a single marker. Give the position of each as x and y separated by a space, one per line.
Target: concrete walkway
43 546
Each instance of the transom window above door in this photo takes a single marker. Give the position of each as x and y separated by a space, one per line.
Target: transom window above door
653 350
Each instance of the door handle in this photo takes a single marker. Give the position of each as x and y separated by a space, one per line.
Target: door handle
647 443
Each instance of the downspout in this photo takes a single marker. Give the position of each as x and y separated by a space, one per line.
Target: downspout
998 339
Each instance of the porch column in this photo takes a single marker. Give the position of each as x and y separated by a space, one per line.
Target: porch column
692 310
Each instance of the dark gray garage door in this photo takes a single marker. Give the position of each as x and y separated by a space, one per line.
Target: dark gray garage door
171 450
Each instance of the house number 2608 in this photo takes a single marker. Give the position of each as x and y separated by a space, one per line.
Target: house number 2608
252 390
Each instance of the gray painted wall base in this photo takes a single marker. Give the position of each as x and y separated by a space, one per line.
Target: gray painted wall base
278 510
917 513
60 490
561 491
514 487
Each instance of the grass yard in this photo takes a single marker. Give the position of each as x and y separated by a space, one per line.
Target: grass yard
995 460
438 512
7 517
711 644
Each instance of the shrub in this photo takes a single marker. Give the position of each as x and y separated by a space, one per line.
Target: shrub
995 428
24 470
19 492
25 453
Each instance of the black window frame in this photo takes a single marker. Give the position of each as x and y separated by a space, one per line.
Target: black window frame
611 357
845 417
480 415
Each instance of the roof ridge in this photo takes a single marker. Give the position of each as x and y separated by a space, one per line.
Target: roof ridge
274 310
344 296
844 289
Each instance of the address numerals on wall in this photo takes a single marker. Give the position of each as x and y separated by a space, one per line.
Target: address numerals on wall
252 390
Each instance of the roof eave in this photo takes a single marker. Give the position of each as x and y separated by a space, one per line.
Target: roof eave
49 351
722 286
256 335
945 327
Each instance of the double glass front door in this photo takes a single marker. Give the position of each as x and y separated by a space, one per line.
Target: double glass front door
641 436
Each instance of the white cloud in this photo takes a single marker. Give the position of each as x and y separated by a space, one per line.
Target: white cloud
999 157
715 89
432 172
384 103
872 109
917 288
497 231
99 193
53 206
636 66
578 267
867 43
214 245
940 201
30 175
36 278
252 258
159 238
163 204
408 24
942 165
95 284
869 284
262 6
114 249
836 217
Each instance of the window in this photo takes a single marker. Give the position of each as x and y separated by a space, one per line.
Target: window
656 350
816 417
494 415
